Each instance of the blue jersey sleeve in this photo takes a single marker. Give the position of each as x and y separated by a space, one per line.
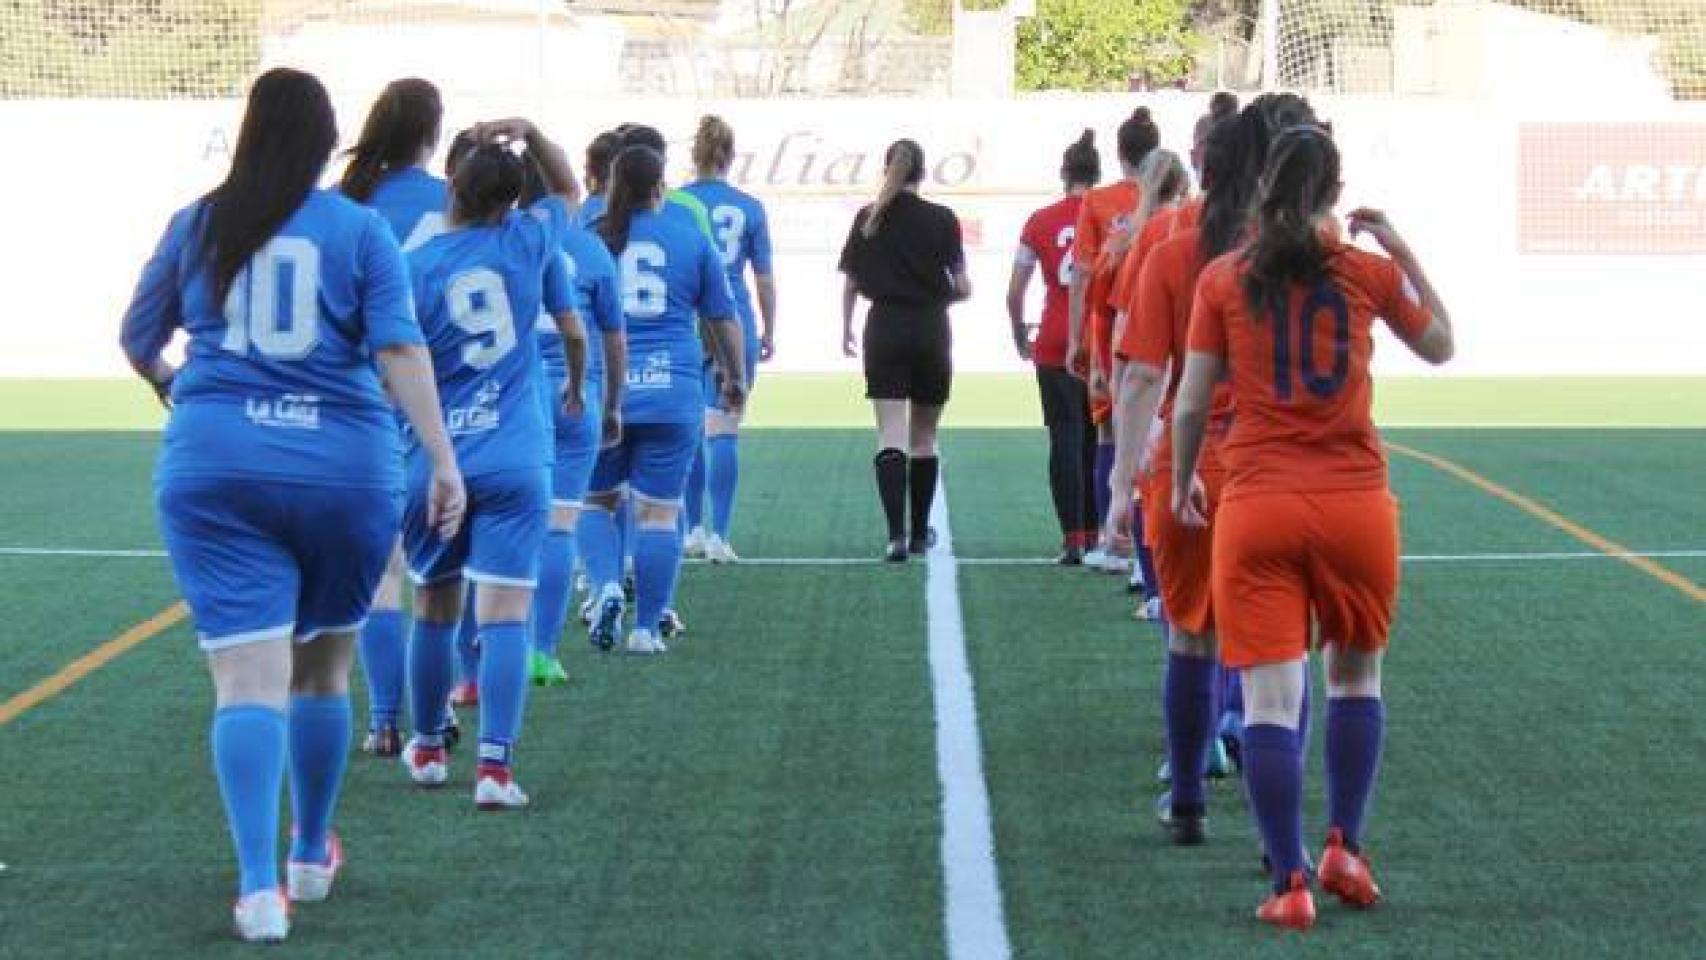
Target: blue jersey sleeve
716 303
760 241
598 270
559 292
387 303
155 308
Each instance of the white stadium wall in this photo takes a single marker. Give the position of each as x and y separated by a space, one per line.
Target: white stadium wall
1565 244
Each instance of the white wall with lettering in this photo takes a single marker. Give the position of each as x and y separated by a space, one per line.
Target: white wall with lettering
93 182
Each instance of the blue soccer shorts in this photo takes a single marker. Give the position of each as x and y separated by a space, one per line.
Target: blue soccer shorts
576 441
509 512
260 559
714 379
652 461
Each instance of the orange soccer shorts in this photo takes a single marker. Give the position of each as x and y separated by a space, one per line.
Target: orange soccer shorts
1280 557
1182 554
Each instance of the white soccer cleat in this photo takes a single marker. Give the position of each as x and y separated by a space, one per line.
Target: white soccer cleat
262 917
427 766
1116 564
1149 609
498 793
645 643
312 882
695 546
717 550
1095 558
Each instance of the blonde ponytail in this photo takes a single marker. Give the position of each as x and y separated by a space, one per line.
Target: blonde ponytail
1161 176
713 145
903 166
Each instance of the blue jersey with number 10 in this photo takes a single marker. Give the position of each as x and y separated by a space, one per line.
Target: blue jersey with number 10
670 276
278 379
742 234
413 202
478 290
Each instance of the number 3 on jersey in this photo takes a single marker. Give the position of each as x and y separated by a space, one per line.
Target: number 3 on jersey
274 305
729 223
644 292
1297 340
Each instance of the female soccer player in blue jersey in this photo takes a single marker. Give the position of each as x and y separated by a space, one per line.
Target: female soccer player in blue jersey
600 154
742 233
479 287
669 274
387 171
592 279
277 483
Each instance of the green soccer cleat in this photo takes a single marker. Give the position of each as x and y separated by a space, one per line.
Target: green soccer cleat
545 670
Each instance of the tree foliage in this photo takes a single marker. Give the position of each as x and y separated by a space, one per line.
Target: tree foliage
1100 44
127 48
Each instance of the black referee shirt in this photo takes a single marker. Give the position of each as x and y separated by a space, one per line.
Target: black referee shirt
911 260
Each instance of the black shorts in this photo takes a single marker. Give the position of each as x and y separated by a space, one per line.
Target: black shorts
909 354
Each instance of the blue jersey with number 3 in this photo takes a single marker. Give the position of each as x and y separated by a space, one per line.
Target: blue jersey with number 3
278 379
413 202
479 291
670 275
742 234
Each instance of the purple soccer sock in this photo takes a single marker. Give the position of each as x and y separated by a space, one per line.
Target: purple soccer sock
1188 700
1273 779
1356 727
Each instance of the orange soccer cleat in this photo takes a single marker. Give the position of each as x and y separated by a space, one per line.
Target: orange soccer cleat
1346 875
1294 909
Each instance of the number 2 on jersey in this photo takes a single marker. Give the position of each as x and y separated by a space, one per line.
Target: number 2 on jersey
1294 342
480 308
1063 242
274 304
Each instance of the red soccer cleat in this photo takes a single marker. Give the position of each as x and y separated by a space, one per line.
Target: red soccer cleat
1294 909
1346 875
466 695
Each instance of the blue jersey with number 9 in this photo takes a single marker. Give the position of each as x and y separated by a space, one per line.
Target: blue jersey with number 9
742 234
479 291
669 276
278 379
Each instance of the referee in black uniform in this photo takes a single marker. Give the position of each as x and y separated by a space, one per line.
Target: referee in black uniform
904 254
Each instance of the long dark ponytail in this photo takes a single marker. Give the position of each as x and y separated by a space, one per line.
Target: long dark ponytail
403 122
1232 171
636 175
1300 183
287 137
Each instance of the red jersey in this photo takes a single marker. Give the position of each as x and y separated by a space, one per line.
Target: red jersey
1300 371
1046 242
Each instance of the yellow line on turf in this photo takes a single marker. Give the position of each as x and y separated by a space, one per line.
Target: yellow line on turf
1555 519
90 662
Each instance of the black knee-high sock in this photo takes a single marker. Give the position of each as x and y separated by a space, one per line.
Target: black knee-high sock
891 489
1064 482
922 485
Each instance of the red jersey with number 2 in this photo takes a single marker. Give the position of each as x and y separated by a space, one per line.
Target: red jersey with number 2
1047 241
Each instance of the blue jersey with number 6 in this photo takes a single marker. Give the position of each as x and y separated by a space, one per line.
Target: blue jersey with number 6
742 234
479 290
670 276
278 379
413 202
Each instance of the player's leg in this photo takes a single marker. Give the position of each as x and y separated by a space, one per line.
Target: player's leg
693 515
924 470
577 444
435 567
722 457
599 537
1189 686
240 583
1103 468
1065 483
384 660
662 456
467 693
890 467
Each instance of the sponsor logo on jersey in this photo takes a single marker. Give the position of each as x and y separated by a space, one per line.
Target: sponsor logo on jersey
291 411
655 375
479 417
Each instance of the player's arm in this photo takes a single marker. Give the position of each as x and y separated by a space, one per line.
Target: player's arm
559 300
554 165
849 301
1190 422
764 281
1086 244
1434 341
1147 338
720 324
153 314
1024 267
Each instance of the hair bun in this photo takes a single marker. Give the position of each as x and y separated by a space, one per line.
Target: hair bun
1141 115
1086 139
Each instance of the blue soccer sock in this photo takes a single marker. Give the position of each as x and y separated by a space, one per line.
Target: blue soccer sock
1232 704
600 540
1303 712
468 644
432 656
249 747
384 656
723 473
1188 700
319 754
1355 728
695 512
657 557
1273 780
503 690
1104 471
551 599
625 525
1145 558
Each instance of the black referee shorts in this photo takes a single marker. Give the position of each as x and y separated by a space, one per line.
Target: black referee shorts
909 355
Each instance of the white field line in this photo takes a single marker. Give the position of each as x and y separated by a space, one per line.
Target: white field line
976 926
1493 557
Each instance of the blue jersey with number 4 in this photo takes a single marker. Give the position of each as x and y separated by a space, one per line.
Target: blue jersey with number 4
479 290
742 234
278 379
670 276
592 278
413 202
